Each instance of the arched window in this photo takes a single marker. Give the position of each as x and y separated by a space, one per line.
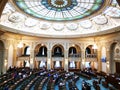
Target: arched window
57 51
72 64
57 64
42 51
88 51
27 50
72 50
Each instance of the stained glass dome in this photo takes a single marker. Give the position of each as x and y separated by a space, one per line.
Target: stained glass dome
61 18
60 10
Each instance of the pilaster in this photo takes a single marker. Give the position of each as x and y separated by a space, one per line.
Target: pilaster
32 58
66 60
49 61
99 59
82 58
108 60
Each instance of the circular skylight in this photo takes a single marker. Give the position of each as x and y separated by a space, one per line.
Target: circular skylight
60 10
30 22
90 21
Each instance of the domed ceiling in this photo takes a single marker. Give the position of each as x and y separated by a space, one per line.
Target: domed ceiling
61 18
60 10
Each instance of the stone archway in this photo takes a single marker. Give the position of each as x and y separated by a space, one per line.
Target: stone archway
58 57
40 56
114 58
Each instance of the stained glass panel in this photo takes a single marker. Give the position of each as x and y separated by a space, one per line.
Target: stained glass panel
59 10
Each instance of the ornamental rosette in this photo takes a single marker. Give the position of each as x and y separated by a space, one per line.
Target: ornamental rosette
59 5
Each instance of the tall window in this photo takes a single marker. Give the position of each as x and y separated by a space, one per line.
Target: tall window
57 64
72 64
27 50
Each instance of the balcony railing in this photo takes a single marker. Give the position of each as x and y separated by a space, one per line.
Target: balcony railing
74 58
22 58
57 58
74 55
41 58
91 57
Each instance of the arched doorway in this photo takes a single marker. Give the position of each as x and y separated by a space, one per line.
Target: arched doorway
115 58
2 51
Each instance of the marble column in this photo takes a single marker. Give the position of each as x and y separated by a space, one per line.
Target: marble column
5 63
49 61
99 59
108 61
14 56
66 60
2 61
32 61
83 58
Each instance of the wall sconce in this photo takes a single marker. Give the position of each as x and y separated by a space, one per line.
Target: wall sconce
73 45
83 62
66 61
94 45
107 64
48 61
31 61
5 63
20 45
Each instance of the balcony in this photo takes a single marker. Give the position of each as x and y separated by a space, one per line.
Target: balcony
91 57
57 58
22 58
41 58
75 57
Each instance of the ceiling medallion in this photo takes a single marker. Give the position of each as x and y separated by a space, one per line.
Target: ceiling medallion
100 20
15 17
86 24
45 25
58 26
30 22
59 5
72 26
